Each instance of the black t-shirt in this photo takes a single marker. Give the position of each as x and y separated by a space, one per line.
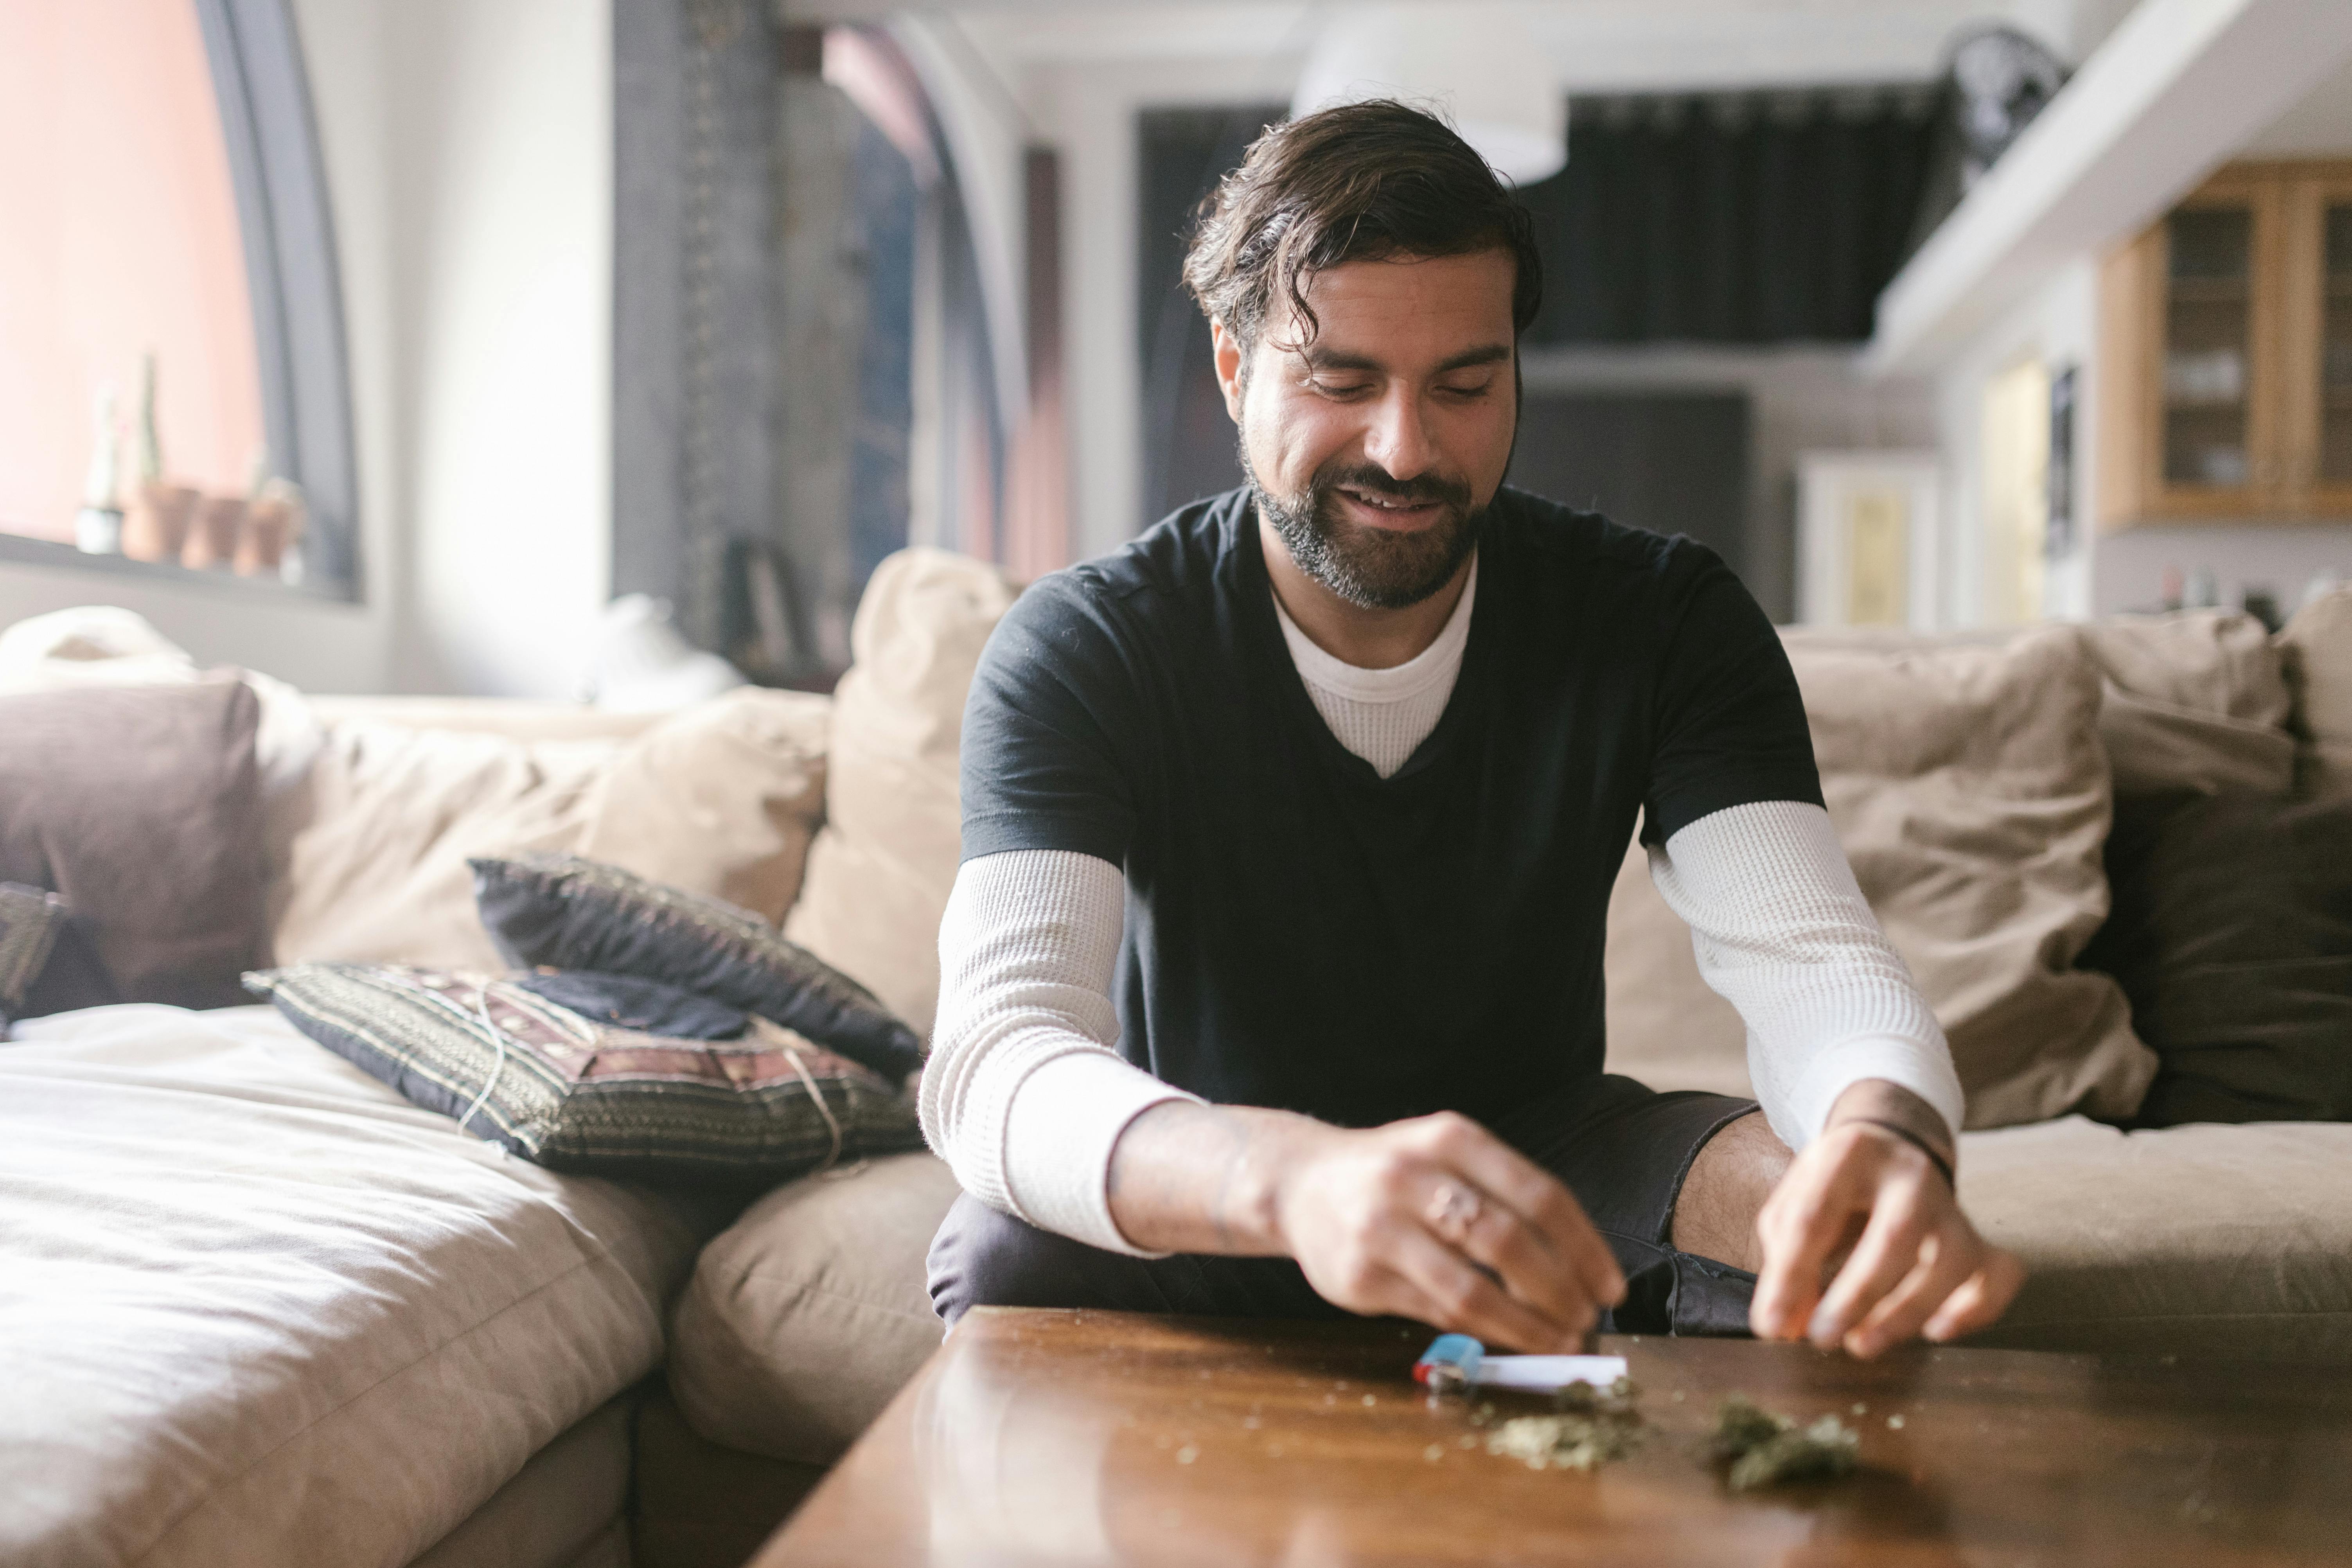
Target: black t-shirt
1301 933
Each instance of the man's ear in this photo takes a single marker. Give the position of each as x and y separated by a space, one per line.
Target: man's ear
1228 351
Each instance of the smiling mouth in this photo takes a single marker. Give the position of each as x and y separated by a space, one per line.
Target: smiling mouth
1391 507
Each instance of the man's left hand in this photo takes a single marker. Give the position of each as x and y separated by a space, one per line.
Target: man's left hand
1912 1262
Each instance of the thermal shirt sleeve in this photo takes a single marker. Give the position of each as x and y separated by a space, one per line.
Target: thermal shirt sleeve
1024 1095
1783 933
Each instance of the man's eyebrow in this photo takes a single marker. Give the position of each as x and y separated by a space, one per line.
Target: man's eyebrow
1491 354
1320 359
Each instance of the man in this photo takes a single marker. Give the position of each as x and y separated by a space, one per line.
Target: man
1327 780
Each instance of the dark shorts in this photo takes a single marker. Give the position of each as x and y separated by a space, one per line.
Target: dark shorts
1622 1149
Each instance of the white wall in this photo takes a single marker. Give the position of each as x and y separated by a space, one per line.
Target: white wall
488 147
328 647
2057 324
469 157
2280 561
2319 126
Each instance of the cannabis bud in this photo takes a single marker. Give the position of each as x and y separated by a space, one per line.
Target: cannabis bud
1766 1450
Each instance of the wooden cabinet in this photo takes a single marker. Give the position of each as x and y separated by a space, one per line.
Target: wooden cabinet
2225 345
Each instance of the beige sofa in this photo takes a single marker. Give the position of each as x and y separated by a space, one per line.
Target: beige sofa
1971 777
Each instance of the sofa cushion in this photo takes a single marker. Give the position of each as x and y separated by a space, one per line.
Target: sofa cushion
807 1315
879 872
2233 936
141 806
2221 662
571 913
2317 644
722 798
1968 788
2196 1240
719 799
377 872
259 1309
576 1091
2196 703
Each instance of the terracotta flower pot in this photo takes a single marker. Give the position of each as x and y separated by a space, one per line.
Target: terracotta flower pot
262 546
155 521
213 540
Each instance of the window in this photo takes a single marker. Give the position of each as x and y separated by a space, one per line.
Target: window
172 385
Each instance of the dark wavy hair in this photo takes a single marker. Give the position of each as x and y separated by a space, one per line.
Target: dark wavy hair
1359 182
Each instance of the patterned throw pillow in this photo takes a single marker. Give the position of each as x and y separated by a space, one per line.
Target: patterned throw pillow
576 1092
30 922
564 913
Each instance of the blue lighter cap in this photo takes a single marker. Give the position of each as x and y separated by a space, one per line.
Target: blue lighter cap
1451 1361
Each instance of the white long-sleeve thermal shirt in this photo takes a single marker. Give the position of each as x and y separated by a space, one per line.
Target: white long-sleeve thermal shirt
1025 1094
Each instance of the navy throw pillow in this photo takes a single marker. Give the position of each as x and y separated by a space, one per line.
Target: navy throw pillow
559 912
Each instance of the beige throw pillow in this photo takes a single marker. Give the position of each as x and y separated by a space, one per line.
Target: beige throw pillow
2196 703
1968 786
2319 646
720 799
879 872
377 873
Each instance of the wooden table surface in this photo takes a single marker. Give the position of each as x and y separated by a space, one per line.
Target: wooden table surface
1076 1437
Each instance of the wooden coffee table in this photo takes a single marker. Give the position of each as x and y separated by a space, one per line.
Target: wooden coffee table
1072 1437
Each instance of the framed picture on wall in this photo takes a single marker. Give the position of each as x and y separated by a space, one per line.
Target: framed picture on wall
1868 538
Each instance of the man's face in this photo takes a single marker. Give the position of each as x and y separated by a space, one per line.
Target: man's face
1376 447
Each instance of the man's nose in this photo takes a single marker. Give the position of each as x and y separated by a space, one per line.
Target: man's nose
1399 439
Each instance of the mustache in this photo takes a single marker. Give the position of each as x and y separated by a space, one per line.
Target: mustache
1426 487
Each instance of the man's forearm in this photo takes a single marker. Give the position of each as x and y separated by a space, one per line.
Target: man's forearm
1186 1177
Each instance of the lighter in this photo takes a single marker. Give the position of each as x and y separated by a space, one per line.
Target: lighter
1453 1362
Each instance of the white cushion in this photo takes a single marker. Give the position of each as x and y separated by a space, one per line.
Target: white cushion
257 1309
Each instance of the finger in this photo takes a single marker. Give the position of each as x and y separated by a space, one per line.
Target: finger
1888 1251
1947 1260
1801 1224
1980 1299
1467 1301
1523 1262
1535 1195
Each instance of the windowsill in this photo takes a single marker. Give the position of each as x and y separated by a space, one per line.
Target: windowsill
16 548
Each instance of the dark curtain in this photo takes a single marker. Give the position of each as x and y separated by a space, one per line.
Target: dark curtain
1729 218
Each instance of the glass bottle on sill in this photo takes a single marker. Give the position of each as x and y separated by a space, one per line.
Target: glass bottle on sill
98 526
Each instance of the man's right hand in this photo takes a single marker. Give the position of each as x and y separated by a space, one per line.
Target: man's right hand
1435 1219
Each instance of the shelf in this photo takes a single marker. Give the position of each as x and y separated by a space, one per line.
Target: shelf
24 551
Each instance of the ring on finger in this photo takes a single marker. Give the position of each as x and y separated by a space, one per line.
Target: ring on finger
1453 1209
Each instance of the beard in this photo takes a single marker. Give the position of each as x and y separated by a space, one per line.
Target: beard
1378 569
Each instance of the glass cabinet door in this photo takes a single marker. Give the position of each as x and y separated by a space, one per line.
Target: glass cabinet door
2336 346
2209 326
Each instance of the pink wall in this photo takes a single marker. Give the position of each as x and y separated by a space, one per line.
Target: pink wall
118 234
